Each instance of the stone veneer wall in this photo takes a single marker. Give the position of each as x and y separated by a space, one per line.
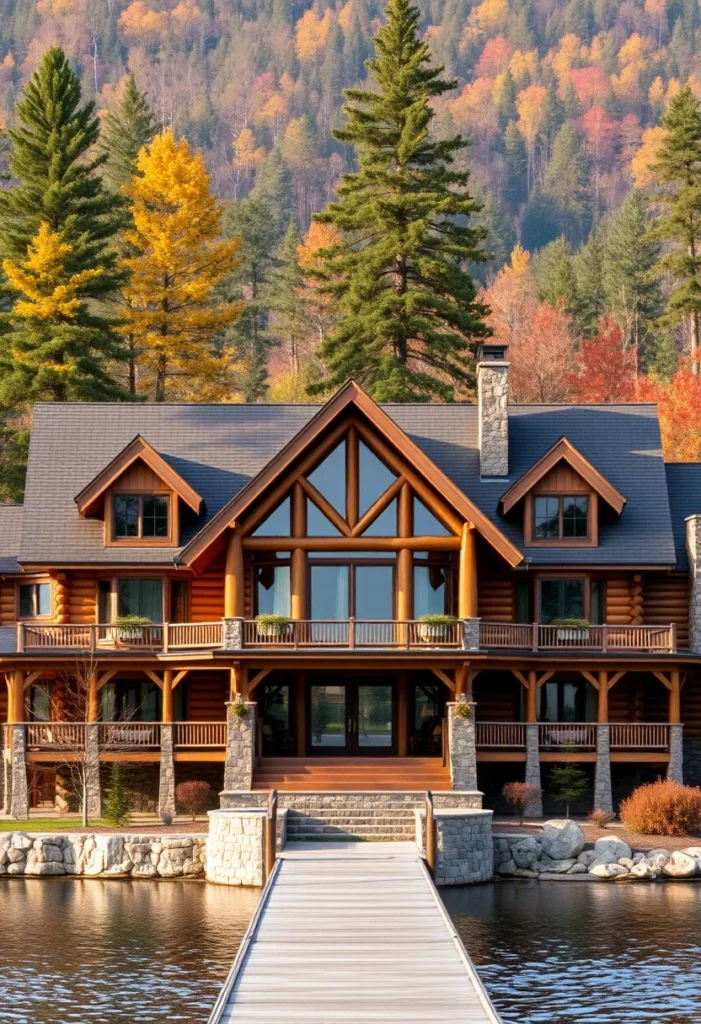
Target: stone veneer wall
240 746
381 800
136 856
493 402
464 849
236 848
461 744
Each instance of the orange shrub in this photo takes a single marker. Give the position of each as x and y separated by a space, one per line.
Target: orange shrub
664 809
600 817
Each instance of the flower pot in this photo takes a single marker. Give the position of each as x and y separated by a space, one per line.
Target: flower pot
573 635
279 630
431 633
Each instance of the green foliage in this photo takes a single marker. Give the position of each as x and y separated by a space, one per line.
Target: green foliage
590 285
567 782
123 132
118 804
14 448
566 182
288 325
555 277
409 319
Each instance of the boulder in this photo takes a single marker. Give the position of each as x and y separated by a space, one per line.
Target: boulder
523 873
637 857
626 862
612 847
587 857
562 839
657 860
608 870
560 867
643 870
680 865
525 853
21 841
507 867
577 869
43 869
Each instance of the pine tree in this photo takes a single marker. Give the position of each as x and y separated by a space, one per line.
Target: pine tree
118 804
566 182
567 783
555 277
633 292
124 132
288 327
588 266
178 260
678 172
409 318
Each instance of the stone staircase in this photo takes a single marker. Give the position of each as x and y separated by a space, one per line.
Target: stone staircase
321 821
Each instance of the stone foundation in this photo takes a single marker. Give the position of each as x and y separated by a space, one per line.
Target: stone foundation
464 852
240 743
19 793
379 800
461 744
135 856
236 847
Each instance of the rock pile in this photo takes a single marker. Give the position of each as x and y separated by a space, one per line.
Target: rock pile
560 851
102 854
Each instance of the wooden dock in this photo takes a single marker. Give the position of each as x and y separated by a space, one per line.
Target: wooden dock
352 933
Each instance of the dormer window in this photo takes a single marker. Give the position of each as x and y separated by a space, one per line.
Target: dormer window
140 516
560 517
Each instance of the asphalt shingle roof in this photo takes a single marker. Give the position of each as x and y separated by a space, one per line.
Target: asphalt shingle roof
219 448
10 533
684 486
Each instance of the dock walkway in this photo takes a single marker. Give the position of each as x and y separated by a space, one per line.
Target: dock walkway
352 933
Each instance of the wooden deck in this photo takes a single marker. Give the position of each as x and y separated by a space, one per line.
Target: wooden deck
352 773
351 932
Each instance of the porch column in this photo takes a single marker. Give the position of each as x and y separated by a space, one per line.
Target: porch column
166 775
461 744
603 793
467 576
93 699
93 790
405 558
19 792
298 569
240 740
167 696
233 577
675 768
532 776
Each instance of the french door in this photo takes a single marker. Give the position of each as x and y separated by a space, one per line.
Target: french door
351 718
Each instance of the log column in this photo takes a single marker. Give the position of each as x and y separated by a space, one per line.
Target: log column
603 793
467 578
93 699
233 577
298 573
534 809
405 558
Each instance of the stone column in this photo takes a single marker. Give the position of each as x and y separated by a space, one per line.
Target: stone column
7 781
675 768
461 745
92 771
493 410
240 744
603 794
535 808
471 634
232 634
166 784
19 798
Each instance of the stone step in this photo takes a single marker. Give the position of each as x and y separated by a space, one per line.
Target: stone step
350 822
386 832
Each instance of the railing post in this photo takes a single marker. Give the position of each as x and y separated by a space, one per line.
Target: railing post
604 638
430 833
351 633
673 637
20 637
166 628
534 637
271 833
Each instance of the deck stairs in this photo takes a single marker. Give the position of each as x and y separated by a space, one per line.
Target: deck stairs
351 774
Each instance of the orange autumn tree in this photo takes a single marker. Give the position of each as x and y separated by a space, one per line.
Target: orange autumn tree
605 370
679 405
178 260
319 306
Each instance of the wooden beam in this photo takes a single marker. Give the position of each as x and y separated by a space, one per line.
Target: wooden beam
298 569
93 698
351 543
602 711
258 678
532 697
179 676
666 682
590 678
106 676
31 678
444 678
324 506
544 676
467 573
615 678
521 678
352 478
405 561
154 677
235 680
233 576
167 697
15 704
379 506
675 698
461 679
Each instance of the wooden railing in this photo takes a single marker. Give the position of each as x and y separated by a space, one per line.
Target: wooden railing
561 735
110 735
200 734
576 735
189 635
56 735
537 637
352 633
500 735
639 736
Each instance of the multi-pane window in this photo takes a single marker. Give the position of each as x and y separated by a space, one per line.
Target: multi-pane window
34 600
130 596
560 518
140 515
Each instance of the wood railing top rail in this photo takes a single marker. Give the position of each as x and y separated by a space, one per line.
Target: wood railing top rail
551 637
578 735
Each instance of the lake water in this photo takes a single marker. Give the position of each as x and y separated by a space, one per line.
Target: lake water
121 952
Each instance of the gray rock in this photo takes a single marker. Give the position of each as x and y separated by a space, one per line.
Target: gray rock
613 847
643 870
657 860
607 870
525 873
587 857
577 869
680 865
507 868
560 867
626 862
21 841
637 857
526 852
562 839
45 869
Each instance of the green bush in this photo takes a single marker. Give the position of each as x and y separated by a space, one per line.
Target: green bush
118 801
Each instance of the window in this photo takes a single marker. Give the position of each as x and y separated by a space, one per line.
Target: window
562 599
130 596
564 701
277 523
338 592
272 589
140 516
430 587
34 600
558 517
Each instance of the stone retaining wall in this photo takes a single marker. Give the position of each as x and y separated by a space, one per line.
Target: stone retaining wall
135 856
464 852
379 800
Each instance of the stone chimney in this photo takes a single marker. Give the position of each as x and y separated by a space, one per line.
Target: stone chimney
693 550
493 403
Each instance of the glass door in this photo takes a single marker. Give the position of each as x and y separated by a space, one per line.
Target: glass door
328 718
351 719
373 720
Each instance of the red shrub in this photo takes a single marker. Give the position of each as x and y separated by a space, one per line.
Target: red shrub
600 817
519 795
664 809
192 797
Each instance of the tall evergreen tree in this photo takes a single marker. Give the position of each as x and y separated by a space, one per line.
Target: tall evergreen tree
288 326
555 277
566 182
678 171
588 266
124 132
633 292
409 318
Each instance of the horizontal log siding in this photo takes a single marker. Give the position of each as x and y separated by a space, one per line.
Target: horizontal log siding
206 696
8 603
496 697
691 706
82 598
207 594
666 599
618 601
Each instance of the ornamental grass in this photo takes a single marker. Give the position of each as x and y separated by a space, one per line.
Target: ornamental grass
663 808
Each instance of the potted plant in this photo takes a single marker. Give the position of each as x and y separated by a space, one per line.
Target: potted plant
129 629
436 628
572 629
273 626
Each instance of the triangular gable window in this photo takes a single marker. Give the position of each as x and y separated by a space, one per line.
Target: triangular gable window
425 523
373 478
277 523
386 523
317 523
329 478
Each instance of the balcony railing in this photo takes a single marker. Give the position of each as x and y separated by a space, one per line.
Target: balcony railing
123 736
537 637
576 736
345 634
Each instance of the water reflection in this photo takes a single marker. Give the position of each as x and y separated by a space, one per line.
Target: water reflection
565 953
116 952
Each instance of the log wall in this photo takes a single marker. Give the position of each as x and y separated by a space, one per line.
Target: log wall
82 598
496 695
8 603
207 594
206 696
619 597
691 706
666 599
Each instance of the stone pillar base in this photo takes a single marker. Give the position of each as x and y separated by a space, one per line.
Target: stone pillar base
603 793
92 773
6 781
240 745
236 847
19 798
675 768
461 746
166 783
535 808
464 848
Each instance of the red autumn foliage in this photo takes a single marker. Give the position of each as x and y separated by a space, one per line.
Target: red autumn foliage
519 795
193 797
605 370
600 817
679 404
591 84
494 59
663 809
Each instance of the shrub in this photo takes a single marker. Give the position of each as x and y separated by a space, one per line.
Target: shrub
519 795
193 797
600 817
240 708
118 803
463 709
663 808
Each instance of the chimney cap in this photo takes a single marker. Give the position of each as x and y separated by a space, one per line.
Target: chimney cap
490 352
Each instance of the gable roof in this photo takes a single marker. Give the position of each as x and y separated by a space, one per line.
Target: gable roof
10 534
218 449
352 396
684 480
563 451
138 450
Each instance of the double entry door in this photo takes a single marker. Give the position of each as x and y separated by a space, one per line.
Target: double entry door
351 718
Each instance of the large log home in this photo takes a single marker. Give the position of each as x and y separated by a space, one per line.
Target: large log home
295 561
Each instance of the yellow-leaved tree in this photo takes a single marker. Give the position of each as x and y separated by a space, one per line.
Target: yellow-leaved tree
178 258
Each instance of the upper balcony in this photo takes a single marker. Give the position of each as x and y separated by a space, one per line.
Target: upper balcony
345 635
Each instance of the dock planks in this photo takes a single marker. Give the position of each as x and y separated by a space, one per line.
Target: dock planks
352 933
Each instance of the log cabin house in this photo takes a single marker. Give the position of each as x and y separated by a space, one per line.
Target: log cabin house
560 551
